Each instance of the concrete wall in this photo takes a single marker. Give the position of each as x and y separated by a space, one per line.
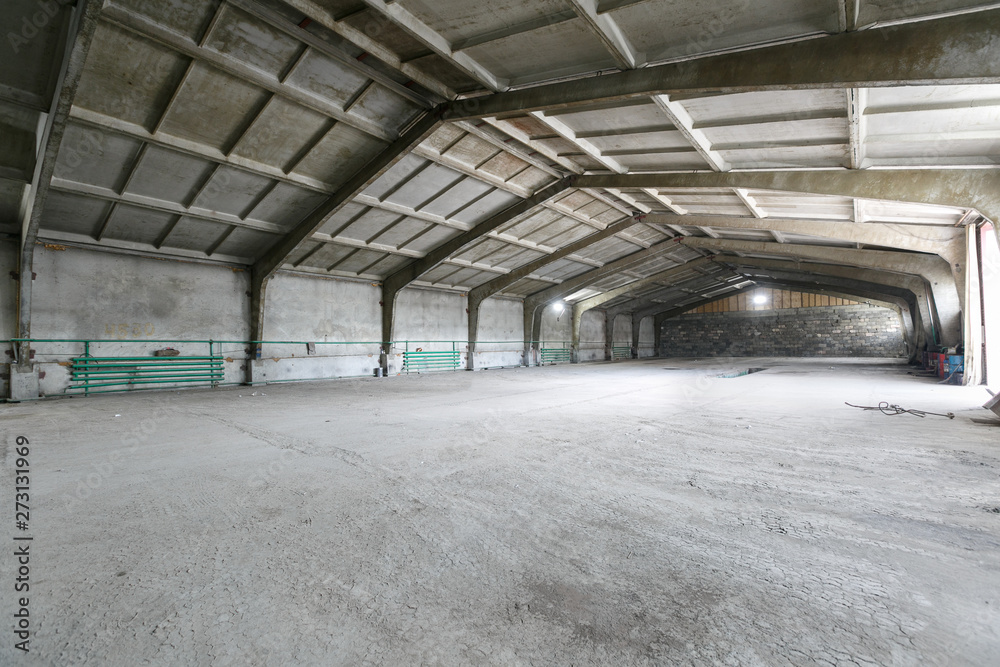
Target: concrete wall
647 339
592 336
557 327
501 328
837 331
623 331
328 312
427 317
133 301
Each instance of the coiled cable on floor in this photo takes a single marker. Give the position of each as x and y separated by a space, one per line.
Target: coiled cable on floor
885 408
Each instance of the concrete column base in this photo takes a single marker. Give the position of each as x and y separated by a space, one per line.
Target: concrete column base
256 372
23 383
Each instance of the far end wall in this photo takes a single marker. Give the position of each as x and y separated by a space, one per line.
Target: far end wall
833 331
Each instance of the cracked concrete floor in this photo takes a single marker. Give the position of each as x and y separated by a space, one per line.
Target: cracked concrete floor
615 514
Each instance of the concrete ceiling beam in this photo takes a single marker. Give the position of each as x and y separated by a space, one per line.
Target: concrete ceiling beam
682 120
276 20
482 292
668 276
423 33
610 33
538 300
953 50
963 188
395 282
149 29
587 146
83 22
364 38
498 138
948 242
269 263
551 19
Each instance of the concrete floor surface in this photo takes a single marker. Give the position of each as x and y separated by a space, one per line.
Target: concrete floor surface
635 513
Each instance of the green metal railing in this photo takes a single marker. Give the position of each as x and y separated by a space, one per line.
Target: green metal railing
89 373
555 355
93 366
421 361
621 352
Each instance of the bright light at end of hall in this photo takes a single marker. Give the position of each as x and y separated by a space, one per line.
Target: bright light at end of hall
558 306
760 299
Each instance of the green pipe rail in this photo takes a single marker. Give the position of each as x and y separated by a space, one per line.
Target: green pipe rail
420 361
621 352
94 368
90 373
555 355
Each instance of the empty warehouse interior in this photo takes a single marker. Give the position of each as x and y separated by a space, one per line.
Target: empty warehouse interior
607 332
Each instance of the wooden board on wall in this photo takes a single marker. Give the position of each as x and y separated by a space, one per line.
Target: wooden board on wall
775 300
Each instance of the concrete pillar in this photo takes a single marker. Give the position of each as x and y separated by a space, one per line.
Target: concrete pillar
473 309
258 299
23 382
577 321
636 326
24 374
256 372
609 334
532 324
388 314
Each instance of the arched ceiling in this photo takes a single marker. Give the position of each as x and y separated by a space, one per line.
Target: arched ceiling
373 139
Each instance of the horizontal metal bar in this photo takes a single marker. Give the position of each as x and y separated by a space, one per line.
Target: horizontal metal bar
160 371
427 355
122 373
146 361
163 360
206 380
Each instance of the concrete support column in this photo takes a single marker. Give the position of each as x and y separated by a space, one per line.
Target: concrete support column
258 298
658 334
79 35
388 314
474 303
24 374
636 325
609 334
529 315
577 321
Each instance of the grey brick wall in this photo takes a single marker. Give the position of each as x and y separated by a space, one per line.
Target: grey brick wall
834 331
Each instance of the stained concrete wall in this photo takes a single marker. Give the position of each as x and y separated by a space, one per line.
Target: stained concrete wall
557 328
836 331
132 301
501 330
647 339
592 336
623 331
342 317
426 318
